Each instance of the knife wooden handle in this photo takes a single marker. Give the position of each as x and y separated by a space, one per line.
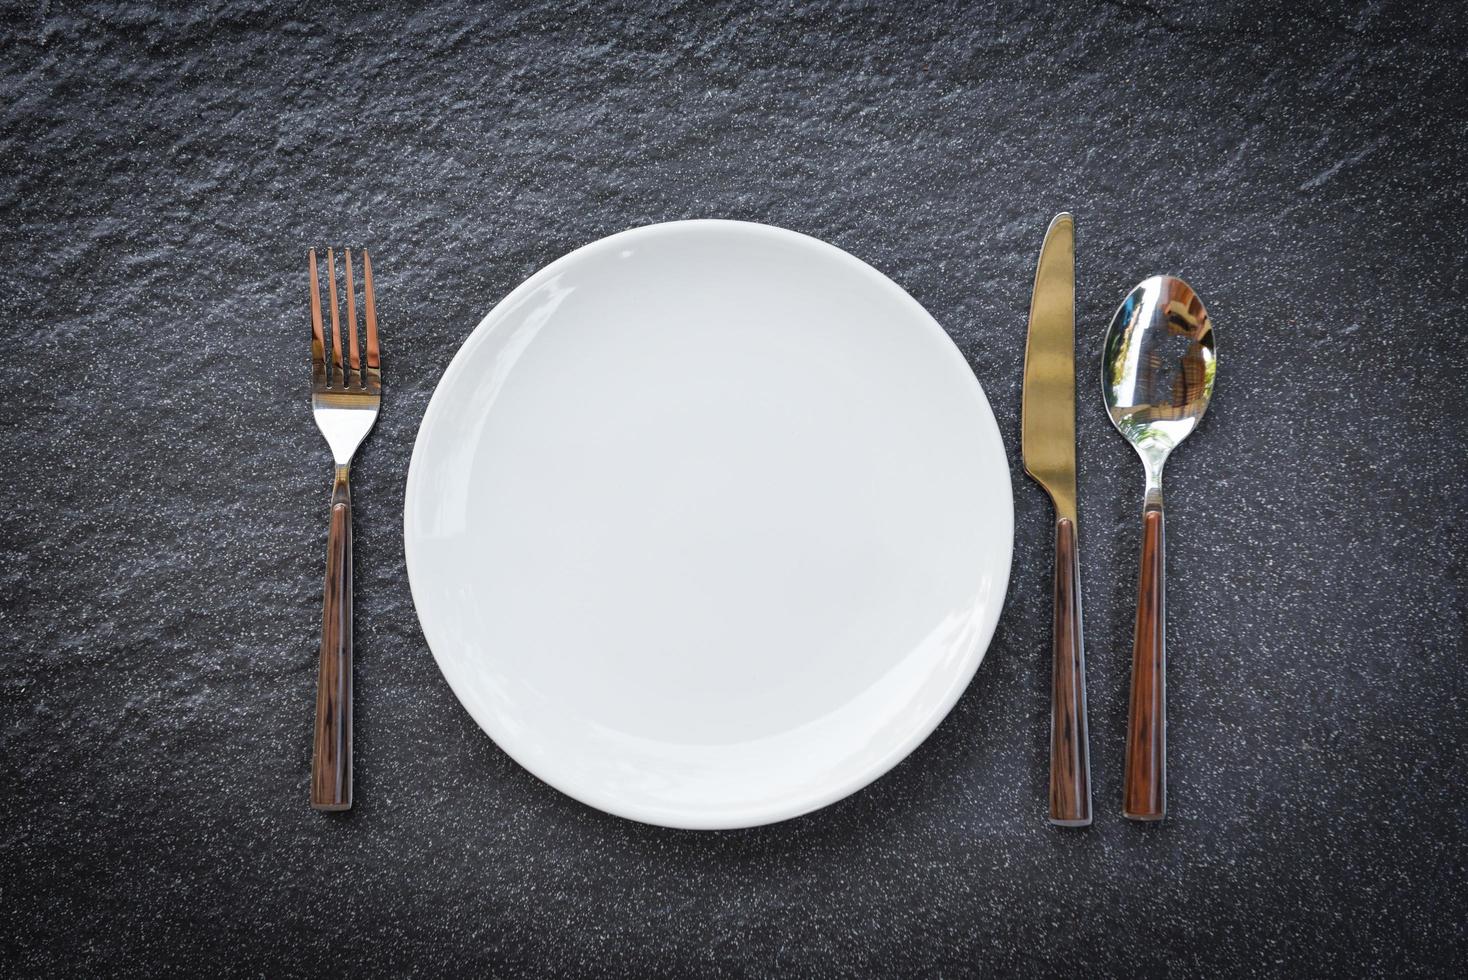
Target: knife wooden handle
331 760
1144 792
1070 761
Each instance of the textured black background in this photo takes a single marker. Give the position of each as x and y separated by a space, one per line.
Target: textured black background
162 506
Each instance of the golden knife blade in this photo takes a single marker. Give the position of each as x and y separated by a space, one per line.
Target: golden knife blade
1048 436
1048 412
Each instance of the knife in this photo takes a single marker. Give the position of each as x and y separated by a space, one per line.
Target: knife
1048 437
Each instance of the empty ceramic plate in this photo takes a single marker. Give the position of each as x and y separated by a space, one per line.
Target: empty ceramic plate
708 524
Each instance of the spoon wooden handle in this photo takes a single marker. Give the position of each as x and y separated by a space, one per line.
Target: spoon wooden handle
1144 792
1070 761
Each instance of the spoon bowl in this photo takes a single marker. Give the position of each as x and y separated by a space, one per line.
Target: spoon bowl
1157 369
1157 379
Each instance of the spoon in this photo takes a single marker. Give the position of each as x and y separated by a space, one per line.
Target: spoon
1157 378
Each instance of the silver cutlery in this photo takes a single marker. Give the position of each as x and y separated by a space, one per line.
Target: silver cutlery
345 397
1157 378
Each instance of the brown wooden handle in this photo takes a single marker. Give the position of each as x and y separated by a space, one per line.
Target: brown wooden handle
1144 792
1070 760
331 762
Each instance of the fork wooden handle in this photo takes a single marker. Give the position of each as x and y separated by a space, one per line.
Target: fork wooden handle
331 762
1070 761
1144 790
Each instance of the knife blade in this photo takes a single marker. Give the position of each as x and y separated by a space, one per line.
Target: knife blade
1048 444
1048 412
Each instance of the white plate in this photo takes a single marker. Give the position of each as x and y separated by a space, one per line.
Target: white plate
708 524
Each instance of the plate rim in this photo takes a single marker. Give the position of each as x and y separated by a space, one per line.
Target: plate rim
752 816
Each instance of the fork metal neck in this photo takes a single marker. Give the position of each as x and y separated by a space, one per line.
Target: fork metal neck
341 489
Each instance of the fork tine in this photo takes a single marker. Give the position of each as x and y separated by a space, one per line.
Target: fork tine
338 376
354 374
374 358
318 339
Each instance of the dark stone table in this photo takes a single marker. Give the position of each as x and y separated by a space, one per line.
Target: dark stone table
163 499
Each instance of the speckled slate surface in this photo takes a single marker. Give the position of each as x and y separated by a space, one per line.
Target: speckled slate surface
161 548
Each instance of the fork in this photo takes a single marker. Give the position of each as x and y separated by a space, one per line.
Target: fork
344 400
